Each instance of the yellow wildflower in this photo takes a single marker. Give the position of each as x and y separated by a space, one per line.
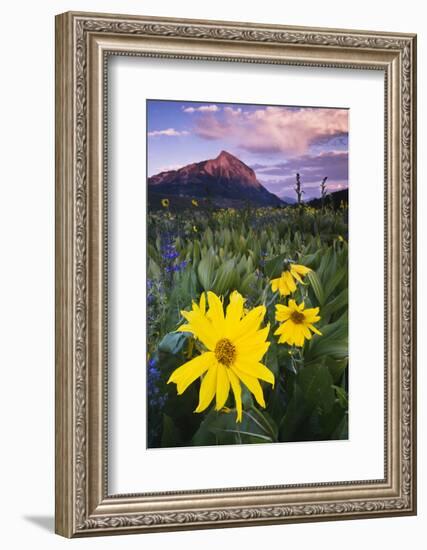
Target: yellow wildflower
296 323
286 284
234 345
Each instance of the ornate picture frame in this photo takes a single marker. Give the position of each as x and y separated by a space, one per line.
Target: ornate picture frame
84 42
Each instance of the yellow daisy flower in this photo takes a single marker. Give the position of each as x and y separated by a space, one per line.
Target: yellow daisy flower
297 323
286 284
165 203
234 344
194 202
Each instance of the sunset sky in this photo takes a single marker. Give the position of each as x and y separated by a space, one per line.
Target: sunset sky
276 142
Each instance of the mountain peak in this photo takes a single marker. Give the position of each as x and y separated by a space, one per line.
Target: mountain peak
227 155
225 179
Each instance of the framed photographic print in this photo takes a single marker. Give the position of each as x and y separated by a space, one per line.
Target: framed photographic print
235 274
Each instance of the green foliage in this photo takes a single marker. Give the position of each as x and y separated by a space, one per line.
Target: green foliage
224 250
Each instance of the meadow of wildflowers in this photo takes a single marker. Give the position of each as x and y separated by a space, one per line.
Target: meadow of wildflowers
247 325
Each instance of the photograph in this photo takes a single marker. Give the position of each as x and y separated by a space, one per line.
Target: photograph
247 273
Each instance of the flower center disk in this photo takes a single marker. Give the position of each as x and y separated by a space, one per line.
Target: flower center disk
225 352
297 317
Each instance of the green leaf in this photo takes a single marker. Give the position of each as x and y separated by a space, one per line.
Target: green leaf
336 367
209 236
273 268
264 420
204 435
225 278
173 342
247 283
296 413
316 383
334 281
153 269
336 304
341 396
325 262
334 341
221 428
242 432
316 286
196 251
170 433
205 271
330 423
341 432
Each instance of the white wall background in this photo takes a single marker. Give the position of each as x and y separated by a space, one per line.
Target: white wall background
27 273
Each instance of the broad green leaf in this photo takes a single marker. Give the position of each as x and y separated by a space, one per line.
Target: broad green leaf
247 283
173 342
316 385
341 432
336 367
316 286
297 411
336 304
153 270
330 423
205 271
239 432
334 281
225 279
273 268
341 396
170 433
221 428
333 341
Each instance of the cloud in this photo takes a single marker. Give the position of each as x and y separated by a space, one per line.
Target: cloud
202 109
333 164
274 129
233 112
279 178
171 132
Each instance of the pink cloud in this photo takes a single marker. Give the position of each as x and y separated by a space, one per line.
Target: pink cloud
273 129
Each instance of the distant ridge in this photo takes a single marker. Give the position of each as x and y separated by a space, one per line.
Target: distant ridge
334 199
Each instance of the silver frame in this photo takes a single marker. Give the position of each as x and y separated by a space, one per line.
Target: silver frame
83 43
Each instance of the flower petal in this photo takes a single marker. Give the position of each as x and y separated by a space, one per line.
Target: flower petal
252 384
207 388
275 284
184 375
293 305
299 335
202 303
222 387
201 328
314 329
257 370
216 313
300 269
290 281
282 312
249 324
237 391
234 311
